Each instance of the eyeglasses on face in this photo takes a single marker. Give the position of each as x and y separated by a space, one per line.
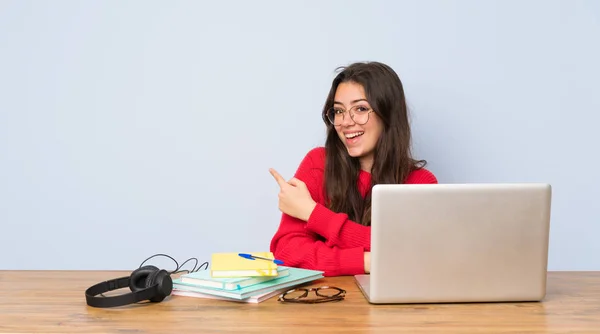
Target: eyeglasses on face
359 114
323 294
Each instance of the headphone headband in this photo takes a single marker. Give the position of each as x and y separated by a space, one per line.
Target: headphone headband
120 300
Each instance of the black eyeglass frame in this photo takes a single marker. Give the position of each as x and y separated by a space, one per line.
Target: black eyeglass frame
340 295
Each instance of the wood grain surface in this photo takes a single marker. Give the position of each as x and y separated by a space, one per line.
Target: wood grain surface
54 302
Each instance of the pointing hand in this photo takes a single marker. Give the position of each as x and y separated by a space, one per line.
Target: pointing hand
294 198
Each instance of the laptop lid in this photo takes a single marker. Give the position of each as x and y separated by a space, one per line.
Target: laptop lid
459 242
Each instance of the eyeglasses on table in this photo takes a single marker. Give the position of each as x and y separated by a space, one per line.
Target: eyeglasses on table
322 294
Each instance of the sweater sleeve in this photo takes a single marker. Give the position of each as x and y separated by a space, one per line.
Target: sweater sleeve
298 247
338 230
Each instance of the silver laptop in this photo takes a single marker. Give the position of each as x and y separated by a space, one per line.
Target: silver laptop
446 243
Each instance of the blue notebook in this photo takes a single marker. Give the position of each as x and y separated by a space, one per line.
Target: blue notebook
296 276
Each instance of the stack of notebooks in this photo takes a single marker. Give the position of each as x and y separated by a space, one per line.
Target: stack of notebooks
236 278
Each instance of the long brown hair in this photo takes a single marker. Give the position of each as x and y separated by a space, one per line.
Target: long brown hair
392 161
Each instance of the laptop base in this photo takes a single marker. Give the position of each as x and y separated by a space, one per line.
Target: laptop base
363 282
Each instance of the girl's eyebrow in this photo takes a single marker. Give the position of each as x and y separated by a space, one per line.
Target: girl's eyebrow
353 102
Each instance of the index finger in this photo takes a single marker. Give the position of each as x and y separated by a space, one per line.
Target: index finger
280 180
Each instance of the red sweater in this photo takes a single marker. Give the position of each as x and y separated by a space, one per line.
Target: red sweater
329 241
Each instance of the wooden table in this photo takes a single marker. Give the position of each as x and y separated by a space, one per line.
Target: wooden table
53 302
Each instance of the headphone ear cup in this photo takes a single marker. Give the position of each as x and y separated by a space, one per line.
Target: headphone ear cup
164 282
139 277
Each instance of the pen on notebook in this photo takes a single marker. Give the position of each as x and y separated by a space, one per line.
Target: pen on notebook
254 257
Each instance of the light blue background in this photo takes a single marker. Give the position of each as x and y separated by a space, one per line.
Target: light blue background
129 128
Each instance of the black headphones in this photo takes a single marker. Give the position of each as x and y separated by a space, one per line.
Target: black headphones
146 283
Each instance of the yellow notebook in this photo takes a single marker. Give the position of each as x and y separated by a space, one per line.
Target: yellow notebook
233 265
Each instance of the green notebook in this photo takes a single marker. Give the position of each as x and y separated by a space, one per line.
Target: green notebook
205 279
